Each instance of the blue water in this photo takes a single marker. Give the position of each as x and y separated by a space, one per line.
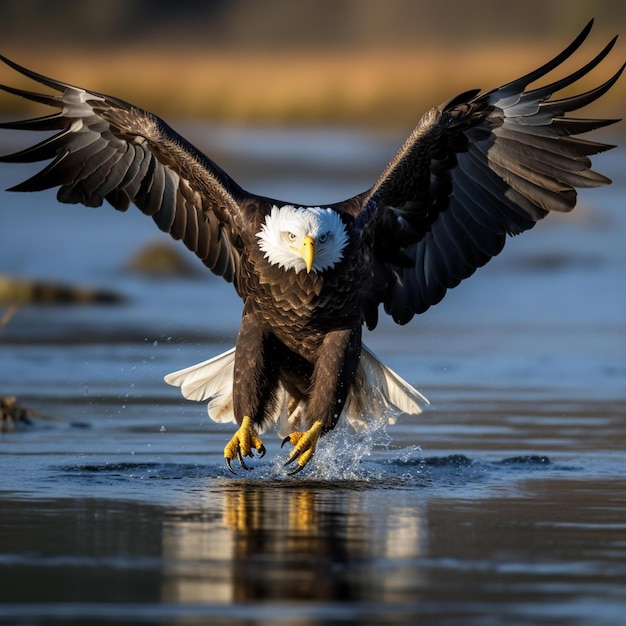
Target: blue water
504 502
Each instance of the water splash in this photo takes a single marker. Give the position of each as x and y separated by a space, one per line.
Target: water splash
341 455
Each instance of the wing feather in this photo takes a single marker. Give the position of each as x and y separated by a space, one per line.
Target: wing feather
475 169
103 148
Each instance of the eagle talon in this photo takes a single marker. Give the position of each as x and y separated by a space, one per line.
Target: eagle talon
242 462
304 444
229 466
242 443
295 470
292 457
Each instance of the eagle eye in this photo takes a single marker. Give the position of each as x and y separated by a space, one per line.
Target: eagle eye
323 238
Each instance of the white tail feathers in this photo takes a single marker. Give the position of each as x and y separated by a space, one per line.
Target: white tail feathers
210 380
377 392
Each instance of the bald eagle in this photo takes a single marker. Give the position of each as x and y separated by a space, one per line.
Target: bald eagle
475 169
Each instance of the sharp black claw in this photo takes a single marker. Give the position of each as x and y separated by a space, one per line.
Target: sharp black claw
242 462
292 457
229 466
285 440
295 470
261 451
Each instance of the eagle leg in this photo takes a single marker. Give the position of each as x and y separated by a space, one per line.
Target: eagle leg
243 441
304 443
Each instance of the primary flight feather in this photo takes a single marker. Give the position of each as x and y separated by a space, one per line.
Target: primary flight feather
474 170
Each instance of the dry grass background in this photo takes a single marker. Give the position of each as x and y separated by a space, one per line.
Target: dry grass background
381 87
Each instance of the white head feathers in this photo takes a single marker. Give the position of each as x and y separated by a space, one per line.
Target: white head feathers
283 235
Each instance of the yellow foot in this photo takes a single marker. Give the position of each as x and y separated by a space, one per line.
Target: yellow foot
242 443
304 444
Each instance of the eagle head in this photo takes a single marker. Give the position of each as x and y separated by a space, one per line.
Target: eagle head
303 238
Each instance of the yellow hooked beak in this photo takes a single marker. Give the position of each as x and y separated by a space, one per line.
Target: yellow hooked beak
307 252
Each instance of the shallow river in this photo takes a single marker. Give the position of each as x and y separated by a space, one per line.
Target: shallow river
503 503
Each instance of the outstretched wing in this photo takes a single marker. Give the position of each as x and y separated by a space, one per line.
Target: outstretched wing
108 149
475 169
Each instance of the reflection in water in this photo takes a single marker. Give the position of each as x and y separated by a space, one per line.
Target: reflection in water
241 552
289 543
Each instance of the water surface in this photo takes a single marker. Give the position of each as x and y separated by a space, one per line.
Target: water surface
504 503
